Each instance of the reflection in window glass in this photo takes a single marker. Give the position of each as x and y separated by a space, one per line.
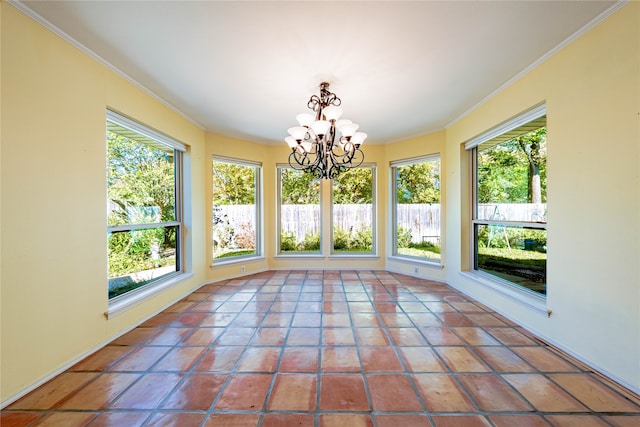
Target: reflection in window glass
299 212
416 197
138 257
142 212
515 254
235 209
510 211
353 211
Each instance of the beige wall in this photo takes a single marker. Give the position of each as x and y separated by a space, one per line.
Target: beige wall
53 235
592 91
52 177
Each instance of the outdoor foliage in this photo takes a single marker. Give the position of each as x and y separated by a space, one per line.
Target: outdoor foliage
407 247
353 187
350 241
140 187
527 268
288 241
138 176
512 237
403 237
514 171
299 188
233 184
418 183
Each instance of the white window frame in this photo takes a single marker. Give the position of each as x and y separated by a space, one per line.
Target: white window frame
374 247
279 253
259 251
531 298
394 211
122 302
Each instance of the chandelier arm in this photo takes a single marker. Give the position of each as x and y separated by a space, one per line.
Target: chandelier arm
296 164
324 157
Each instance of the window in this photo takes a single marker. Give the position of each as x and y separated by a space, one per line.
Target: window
416 208
144 212
353 211
510 201
299 195
236 208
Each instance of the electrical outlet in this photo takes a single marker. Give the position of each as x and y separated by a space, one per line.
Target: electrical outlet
243 269
415 270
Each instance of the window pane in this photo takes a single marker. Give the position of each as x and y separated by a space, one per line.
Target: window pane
353 211
142 188
515 254
139 257
512 178
234 209
140 180
299 212
417 209
511 186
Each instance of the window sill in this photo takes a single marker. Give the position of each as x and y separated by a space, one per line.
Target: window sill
417 261
537 303
299 256
354 255
120 305
239 260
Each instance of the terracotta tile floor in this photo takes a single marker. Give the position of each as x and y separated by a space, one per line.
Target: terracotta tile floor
309 348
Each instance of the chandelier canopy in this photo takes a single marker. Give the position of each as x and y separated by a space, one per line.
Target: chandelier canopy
325 145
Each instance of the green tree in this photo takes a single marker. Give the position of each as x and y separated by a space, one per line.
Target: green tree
139 176
233 184
533 146
353 187
419 183
141 185
299 188
514 171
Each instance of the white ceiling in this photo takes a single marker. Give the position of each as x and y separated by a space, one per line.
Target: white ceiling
246 68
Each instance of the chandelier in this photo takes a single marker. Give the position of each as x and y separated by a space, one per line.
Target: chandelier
325 145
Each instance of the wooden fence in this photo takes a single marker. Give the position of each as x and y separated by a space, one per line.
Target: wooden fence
423 221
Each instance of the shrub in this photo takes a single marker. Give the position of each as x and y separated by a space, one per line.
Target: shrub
224 234
403 237
288 241
246 236
340 239
311 242
363 240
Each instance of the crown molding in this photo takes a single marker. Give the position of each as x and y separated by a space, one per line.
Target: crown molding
19 5
590 25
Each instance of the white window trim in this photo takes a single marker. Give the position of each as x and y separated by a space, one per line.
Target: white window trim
509 125
259 254
124 302
121 303
392 251
533 300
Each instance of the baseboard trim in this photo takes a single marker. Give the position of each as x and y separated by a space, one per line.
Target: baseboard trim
8 401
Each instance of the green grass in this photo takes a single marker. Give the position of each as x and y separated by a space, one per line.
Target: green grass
354 250
420 252
237 252
526 268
